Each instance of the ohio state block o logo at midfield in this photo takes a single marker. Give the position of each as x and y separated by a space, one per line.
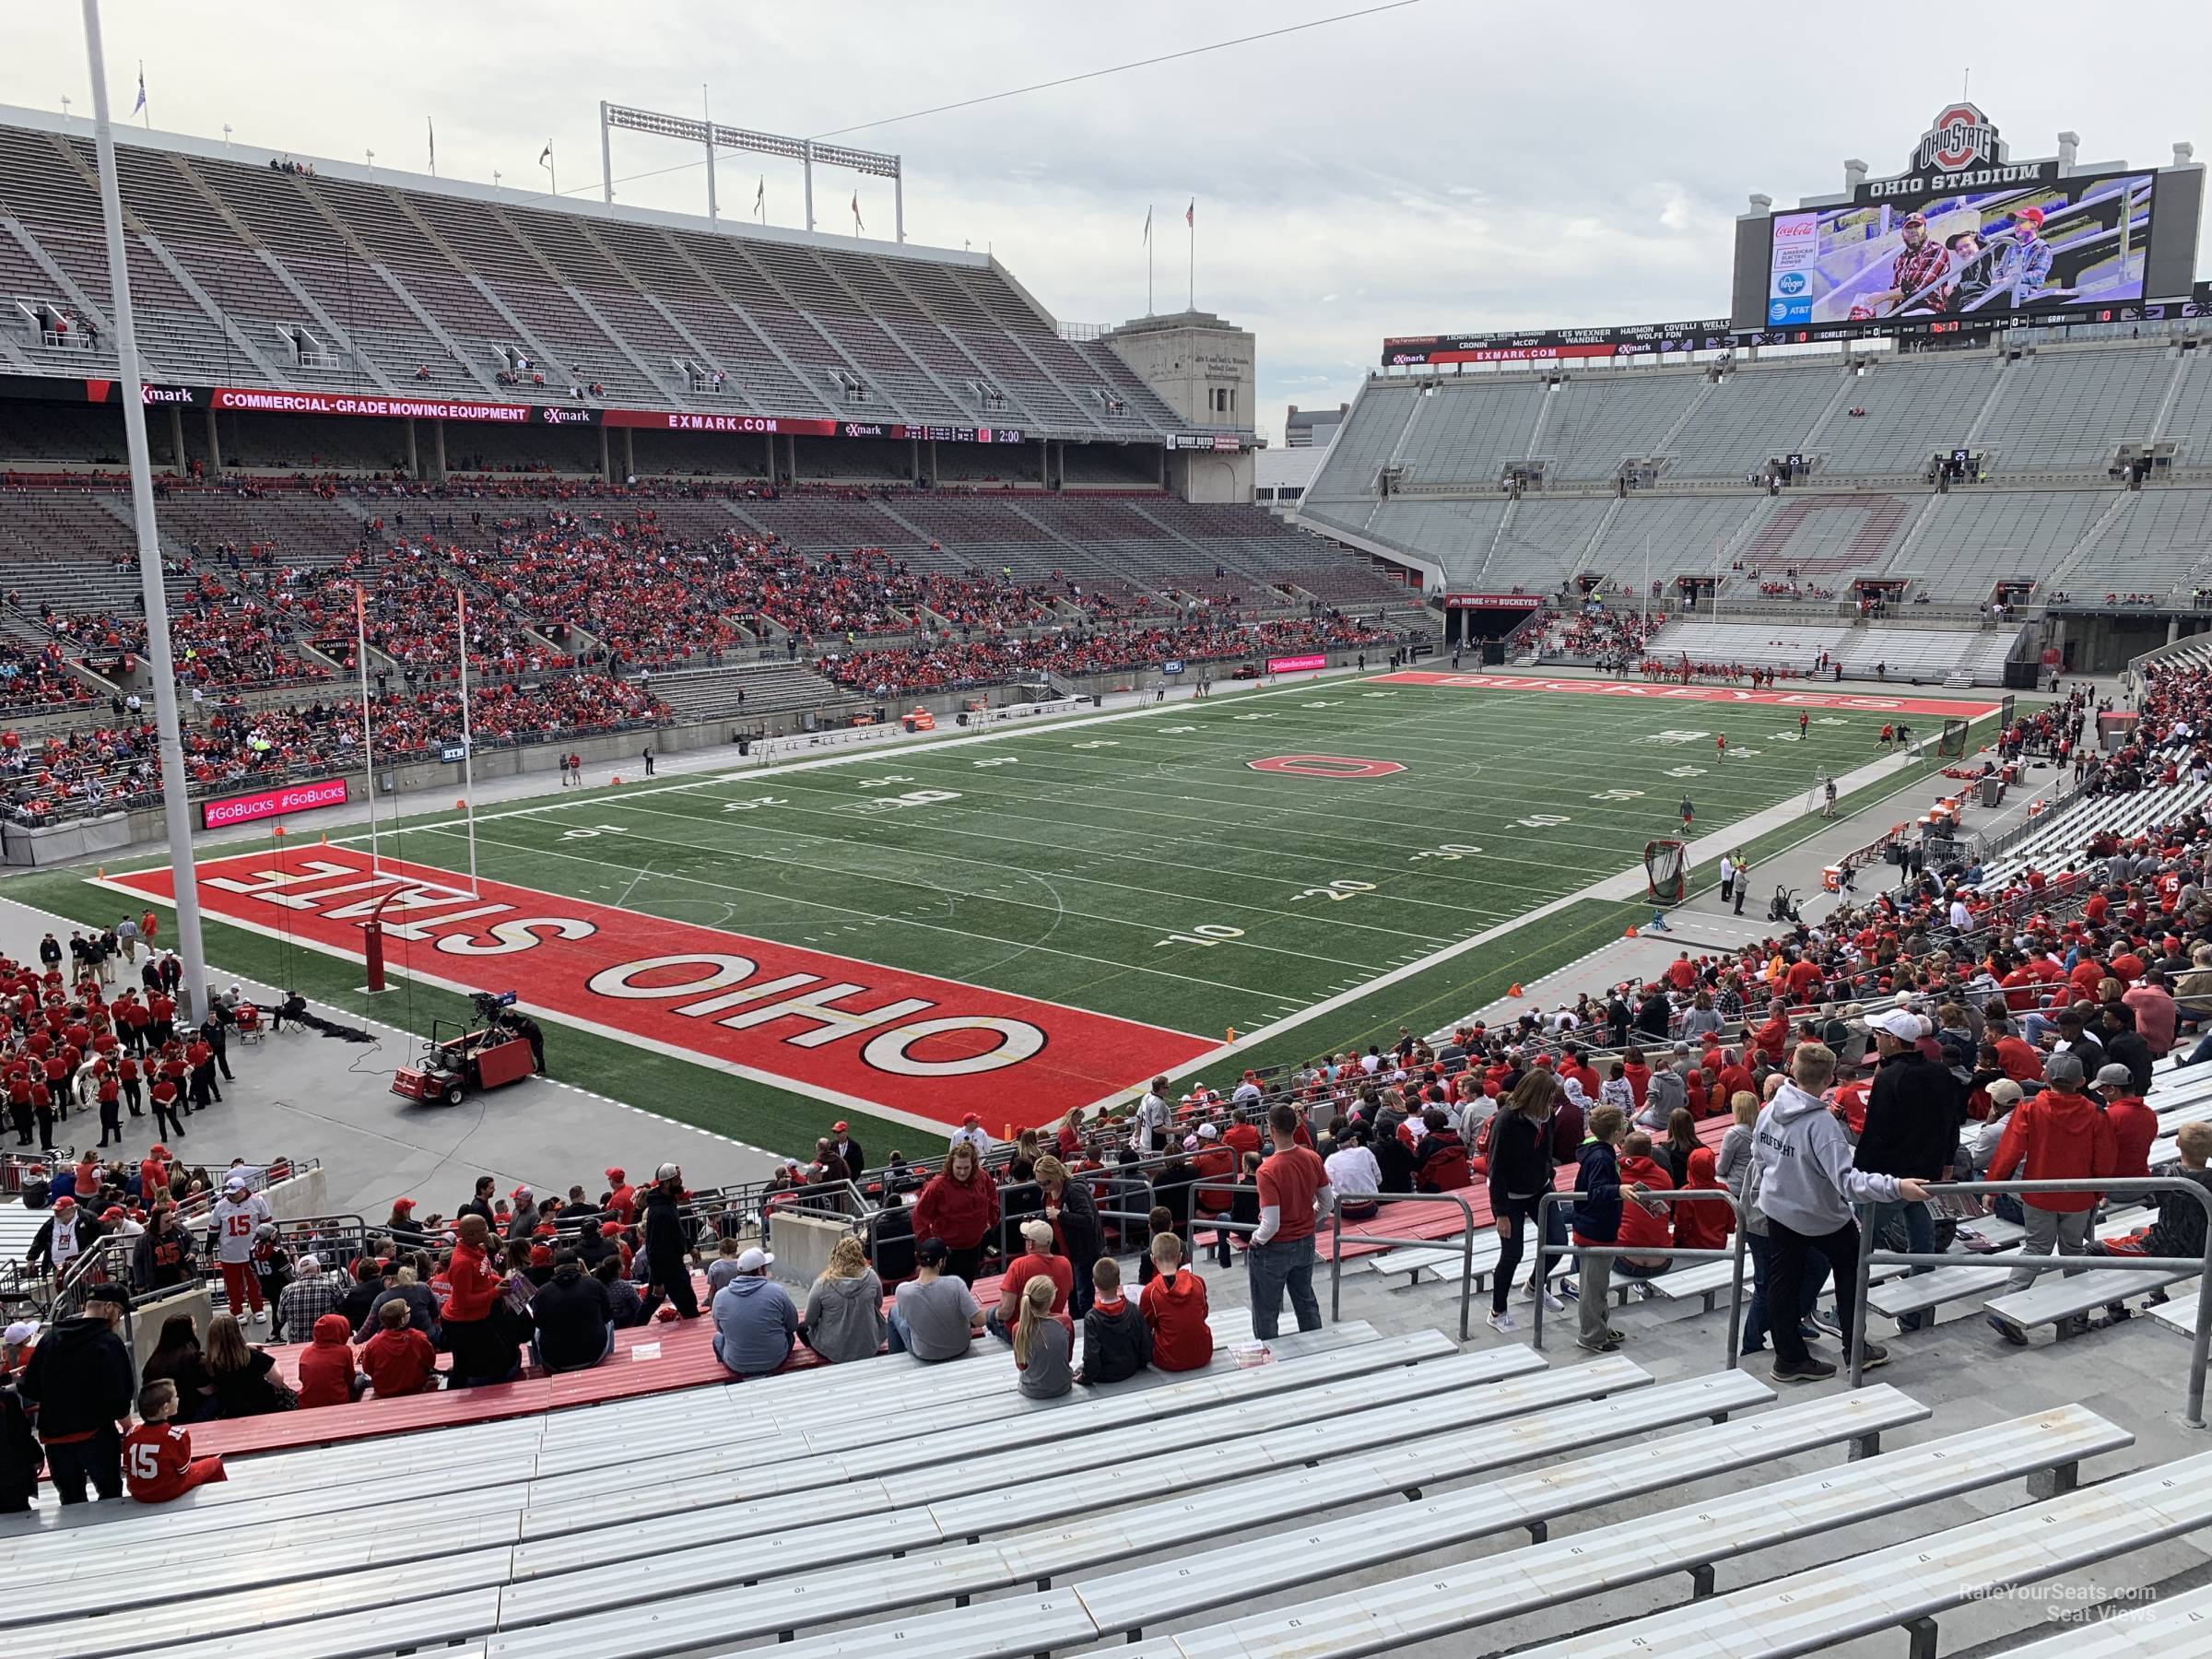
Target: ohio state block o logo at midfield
1326 766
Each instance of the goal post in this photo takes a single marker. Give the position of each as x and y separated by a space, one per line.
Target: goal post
1665 870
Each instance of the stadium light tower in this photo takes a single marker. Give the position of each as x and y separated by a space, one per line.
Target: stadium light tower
160 663
711 136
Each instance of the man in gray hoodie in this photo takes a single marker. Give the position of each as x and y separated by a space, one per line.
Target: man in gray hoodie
1667 1092
755 1319
1806 1186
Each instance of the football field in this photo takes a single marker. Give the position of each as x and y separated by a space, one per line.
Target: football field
1032 919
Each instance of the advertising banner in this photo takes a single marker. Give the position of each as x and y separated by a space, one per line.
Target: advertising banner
1297 665
272 802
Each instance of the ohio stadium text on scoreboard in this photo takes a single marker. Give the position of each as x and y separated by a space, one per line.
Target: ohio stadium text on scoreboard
910 1045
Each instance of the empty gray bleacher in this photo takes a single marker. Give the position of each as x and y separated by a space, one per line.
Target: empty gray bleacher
1681 534
1347 473
1768 644
1465 435
1750 418
1594 421
2162 538
2070 407
1922 655
1971 540
1916 408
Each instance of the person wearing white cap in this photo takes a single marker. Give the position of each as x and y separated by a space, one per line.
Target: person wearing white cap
755 1320
1913 1114
232 1224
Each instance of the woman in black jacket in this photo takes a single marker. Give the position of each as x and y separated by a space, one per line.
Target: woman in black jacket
1075 1220
1520 1174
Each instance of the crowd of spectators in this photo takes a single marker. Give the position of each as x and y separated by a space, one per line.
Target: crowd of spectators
1610 638
945 664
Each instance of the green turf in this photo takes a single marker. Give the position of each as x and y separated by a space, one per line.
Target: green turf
1136 865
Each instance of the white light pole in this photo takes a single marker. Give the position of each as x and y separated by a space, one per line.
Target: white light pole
160 663
226 137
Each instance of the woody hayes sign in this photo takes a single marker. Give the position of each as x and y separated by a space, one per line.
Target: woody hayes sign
910 1045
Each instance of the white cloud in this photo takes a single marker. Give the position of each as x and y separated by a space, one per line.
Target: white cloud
1441 167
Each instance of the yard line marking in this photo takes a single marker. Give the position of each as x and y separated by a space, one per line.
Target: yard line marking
995 898
1782 813
939 827
726 887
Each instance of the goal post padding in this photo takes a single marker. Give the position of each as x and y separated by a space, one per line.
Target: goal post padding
1665 870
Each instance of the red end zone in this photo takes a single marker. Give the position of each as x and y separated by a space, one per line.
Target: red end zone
1654 692
872 1038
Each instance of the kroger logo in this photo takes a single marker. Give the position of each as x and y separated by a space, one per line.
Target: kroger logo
1790 282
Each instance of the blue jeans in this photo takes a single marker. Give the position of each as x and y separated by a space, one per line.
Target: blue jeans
2201 1053
1274 1267
1920 1240
896 1321
1755 1316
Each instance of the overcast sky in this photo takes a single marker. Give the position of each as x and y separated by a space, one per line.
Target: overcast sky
1446 165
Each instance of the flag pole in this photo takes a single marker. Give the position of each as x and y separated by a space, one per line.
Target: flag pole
360 656
160 659
1147 261
468 745
1191 218
145 110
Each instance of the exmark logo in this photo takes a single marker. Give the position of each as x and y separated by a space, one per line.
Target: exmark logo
1960 137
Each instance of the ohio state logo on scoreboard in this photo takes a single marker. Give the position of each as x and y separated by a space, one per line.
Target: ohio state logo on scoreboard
1960 137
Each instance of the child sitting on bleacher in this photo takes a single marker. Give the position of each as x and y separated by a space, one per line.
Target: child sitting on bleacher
157 1464
2180 1228
1175 1307
399 1358
1117 1344
1041 1341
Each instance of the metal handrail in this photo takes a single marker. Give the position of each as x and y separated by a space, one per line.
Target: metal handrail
1466 1253
1734 1254
2200 1344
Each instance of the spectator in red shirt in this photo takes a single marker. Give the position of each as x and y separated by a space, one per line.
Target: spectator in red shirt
1037 1262
1175 1307
2135 1125
326 1368
399 1358
1294 1189
157 1464
2050 1137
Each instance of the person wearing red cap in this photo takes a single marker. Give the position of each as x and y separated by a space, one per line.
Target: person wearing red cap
846 1147
63 1237
973 1133
621 1198
2021 257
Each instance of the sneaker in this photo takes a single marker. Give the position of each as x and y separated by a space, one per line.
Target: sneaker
1553 1305
2010 1332
1647 1293
1875 1354
1807 1369
1808 1332
1614 1339
1570 1290
1505 1324
1825 1325
1603 1345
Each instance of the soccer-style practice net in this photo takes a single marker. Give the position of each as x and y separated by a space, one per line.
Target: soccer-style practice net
1952 744
1815 798
1665 870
